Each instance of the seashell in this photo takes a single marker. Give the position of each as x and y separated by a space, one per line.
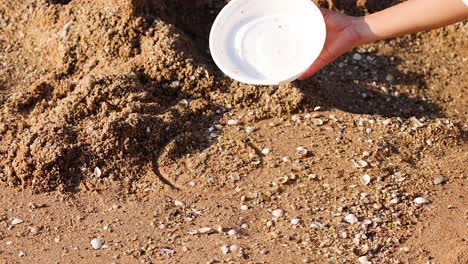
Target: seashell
266 151
16 221
244 207
440 180
398 177
205 230
286 159
317 108
421 201
97 172
361 251
167 251
295 221
318 122
350 218
179 203
282 179
360 163
277 213
301 151
364 260
365 179
232 232
184 103
232 122
97 243
225 249
234 248
250 129
234 176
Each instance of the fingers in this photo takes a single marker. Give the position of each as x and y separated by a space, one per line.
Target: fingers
315 67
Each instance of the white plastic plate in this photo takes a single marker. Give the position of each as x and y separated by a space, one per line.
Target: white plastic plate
267 42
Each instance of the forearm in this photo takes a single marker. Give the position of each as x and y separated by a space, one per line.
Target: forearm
410 17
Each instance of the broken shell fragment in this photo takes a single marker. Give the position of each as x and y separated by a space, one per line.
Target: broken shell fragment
360 163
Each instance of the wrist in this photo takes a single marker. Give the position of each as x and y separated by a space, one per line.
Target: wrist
363 30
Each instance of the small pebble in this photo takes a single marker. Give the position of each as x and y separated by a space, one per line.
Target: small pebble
244 207
357 57
22 254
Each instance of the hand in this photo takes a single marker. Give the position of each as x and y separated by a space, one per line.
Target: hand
343 33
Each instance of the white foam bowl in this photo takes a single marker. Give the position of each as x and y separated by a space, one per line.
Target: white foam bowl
267 42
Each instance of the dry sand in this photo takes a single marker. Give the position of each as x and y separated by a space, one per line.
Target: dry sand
114 124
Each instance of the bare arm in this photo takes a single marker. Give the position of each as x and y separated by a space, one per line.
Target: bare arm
410 17
346 32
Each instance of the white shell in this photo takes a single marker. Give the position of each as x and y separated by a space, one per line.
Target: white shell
266 151
97 172
360 163
301 151
234 248
250 129
244 207
352 219
16 221
234 176
365 179
232 122
421 201
224 249
179 203
97 243
277 213
205 230
295 221
232 232
282 179
364 260
318 122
